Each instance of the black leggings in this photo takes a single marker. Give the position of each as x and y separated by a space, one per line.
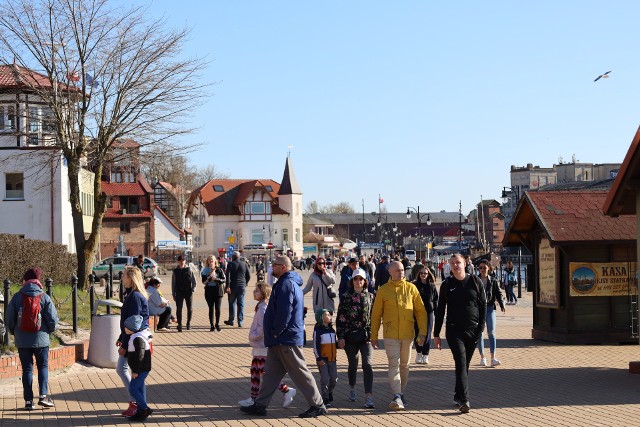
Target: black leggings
214 301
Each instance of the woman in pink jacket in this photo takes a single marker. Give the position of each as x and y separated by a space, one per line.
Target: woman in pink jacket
261 294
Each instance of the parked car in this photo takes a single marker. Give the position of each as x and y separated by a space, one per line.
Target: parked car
411 254
120 262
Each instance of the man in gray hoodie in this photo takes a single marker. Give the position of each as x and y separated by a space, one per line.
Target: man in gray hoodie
34 343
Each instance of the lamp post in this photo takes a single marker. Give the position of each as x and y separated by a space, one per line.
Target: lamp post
505 198
417 211
270 244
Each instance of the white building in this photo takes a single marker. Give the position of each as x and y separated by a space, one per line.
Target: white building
34 202
247 215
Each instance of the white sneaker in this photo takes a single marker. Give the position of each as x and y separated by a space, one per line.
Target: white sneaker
495 362
246 402
396 404
425 359
418 359
288 397
483 361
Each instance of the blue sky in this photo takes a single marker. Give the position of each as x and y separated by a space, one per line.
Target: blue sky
425 103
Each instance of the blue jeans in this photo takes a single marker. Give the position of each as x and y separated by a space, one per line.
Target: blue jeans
122 369
511 296
138 390
42 362
237 294
491 331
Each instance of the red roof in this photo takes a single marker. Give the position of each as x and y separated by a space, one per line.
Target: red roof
569 217
14 76
235 193
125 143
123 189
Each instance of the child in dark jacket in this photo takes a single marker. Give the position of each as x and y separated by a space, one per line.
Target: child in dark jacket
139 360
325 349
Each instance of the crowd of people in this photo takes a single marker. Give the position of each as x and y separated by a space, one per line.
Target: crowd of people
353 298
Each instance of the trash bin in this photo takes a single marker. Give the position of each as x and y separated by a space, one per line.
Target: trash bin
105 330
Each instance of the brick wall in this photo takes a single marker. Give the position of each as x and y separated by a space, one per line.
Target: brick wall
59 358
137 241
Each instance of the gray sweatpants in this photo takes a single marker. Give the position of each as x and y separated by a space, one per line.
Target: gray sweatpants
281 360
328 378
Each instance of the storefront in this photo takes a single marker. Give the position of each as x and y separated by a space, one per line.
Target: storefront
584 265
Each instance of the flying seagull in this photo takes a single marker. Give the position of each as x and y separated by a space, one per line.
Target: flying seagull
603 76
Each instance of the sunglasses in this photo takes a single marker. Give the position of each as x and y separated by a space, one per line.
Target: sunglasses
322 263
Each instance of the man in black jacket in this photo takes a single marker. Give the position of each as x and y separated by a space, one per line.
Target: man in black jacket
382 272
238 276
462 296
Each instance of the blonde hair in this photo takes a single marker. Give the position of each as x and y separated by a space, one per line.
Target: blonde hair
264 289
135 275
215 262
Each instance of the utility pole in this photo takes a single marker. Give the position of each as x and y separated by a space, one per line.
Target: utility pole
460 227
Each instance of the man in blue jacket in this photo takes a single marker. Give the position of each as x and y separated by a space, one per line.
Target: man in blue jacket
283 335
36 343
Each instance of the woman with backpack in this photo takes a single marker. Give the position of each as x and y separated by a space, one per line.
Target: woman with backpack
134 304
510 281
31 317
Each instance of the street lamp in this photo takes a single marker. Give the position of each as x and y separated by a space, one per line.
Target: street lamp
270 244
417 211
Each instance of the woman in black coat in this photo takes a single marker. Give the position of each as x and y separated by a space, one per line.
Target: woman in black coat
492 289
426 284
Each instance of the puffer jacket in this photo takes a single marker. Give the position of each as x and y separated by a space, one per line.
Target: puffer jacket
396 304
284 318
47 310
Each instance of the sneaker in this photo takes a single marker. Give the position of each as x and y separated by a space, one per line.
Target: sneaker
313 412
425 359
254 409
465 407
228 322
326 403
396 404
483 361
353 395
141 415
188 326
212 329
239 325
418 359
456 402
368 403
28 405
46 402
179 328
131 410
288 397
404 401
495 362
217 327
246 402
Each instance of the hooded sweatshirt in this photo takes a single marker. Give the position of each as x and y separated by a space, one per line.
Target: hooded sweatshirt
396 304
47 310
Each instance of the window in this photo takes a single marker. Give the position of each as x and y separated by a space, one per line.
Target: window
125 227
14 186
285 235
268 188
257 236
298 235
129 204
218 188
257 208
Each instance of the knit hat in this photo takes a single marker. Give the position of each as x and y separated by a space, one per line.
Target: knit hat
133 323
32 274
319 314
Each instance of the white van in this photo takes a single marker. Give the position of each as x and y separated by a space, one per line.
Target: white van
411 254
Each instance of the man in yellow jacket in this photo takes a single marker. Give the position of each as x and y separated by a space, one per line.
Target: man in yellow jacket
396 304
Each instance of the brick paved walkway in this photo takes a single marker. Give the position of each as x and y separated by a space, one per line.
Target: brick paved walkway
199 376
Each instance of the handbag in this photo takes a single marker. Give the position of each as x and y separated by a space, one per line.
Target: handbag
358 336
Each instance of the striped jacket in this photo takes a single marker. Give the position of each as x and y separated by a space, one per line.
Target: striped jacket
324 343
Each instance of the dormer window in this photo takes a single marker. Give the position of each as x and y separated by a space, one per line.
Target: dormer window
218 188
268 188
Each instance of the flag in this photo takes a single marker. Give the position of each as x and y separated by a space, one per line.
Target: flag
380 200
73 76
90 81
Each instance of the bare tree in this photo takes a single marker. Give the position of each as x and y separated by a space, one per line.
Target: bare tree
312 208
111 74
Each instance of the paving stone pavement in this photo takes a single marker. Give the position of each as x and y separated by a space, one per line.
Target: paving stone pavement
199 376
